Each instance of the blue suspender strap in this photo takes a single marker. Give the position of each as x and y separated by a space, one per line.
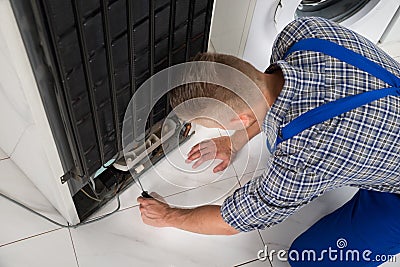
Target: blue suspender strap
340 106
333 109
346 55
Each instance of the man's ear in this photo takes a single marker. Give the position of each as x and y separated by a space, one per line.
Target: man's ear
242 120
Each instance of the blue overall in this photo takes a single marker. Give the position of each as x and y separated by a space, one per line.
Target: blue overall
366 230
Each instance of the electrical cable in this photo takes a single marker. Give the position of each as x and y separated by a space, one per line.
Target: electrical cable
89 196
118 187
92 185
63 225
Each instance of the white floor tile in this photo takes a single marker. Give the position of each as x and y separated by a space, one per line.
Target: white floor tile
166 180
283 234
214 193
253 156
327 203
273 250
17 223
173 174
123 240
394 263
324 205
3 155
256 263
50 249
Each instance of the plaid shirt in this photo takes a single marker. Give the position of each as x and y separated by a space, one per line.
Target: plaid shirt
360 148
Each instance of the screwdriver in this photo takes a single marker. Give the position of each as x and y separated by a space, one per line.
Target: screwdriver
145 194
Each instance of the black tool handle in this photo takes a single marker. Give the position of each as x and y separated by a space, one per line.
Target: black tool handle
145 194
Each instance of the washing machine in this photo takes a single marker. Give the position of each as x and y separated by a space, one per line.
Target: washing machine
370 18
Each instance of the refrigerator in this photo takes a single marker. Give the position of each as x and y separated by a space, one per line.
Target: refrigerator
69 70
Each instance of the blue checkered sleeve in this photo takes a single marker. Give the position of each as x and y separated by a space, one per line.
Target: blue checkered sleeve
270 198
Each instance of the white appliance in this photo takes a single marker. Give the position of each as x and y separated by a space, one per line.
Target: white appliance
390 40
371 18
230 26
67 72
25 135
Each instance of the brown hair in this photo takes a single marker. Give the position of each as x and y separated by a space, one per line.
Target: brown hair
187 93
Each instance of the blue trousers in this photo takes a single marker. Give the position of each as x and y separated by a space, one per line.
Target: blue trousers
363 232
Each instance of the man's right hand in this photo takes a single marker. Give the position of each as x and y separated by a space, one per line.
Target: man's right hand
216 148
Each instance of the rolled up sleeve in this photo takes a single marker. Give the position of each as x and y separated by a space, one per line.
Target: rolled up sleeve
240 210
270 198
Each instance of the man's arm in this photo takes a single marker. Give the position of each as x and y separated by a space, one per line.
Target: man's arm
241 137
203 220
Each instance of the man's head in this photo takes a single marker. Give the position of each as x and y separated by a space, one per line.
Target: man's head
214 105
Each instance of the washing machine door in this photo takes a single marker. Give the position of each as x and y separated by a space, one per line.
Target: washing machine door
334 10
369 18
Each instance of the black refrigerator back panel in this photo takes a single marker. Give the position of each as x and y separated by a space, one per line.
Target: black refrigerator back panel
102 51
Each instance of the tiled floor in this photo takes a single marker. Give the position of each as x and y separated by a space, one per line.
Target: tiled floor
17 223
3 155
248 158
123 240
